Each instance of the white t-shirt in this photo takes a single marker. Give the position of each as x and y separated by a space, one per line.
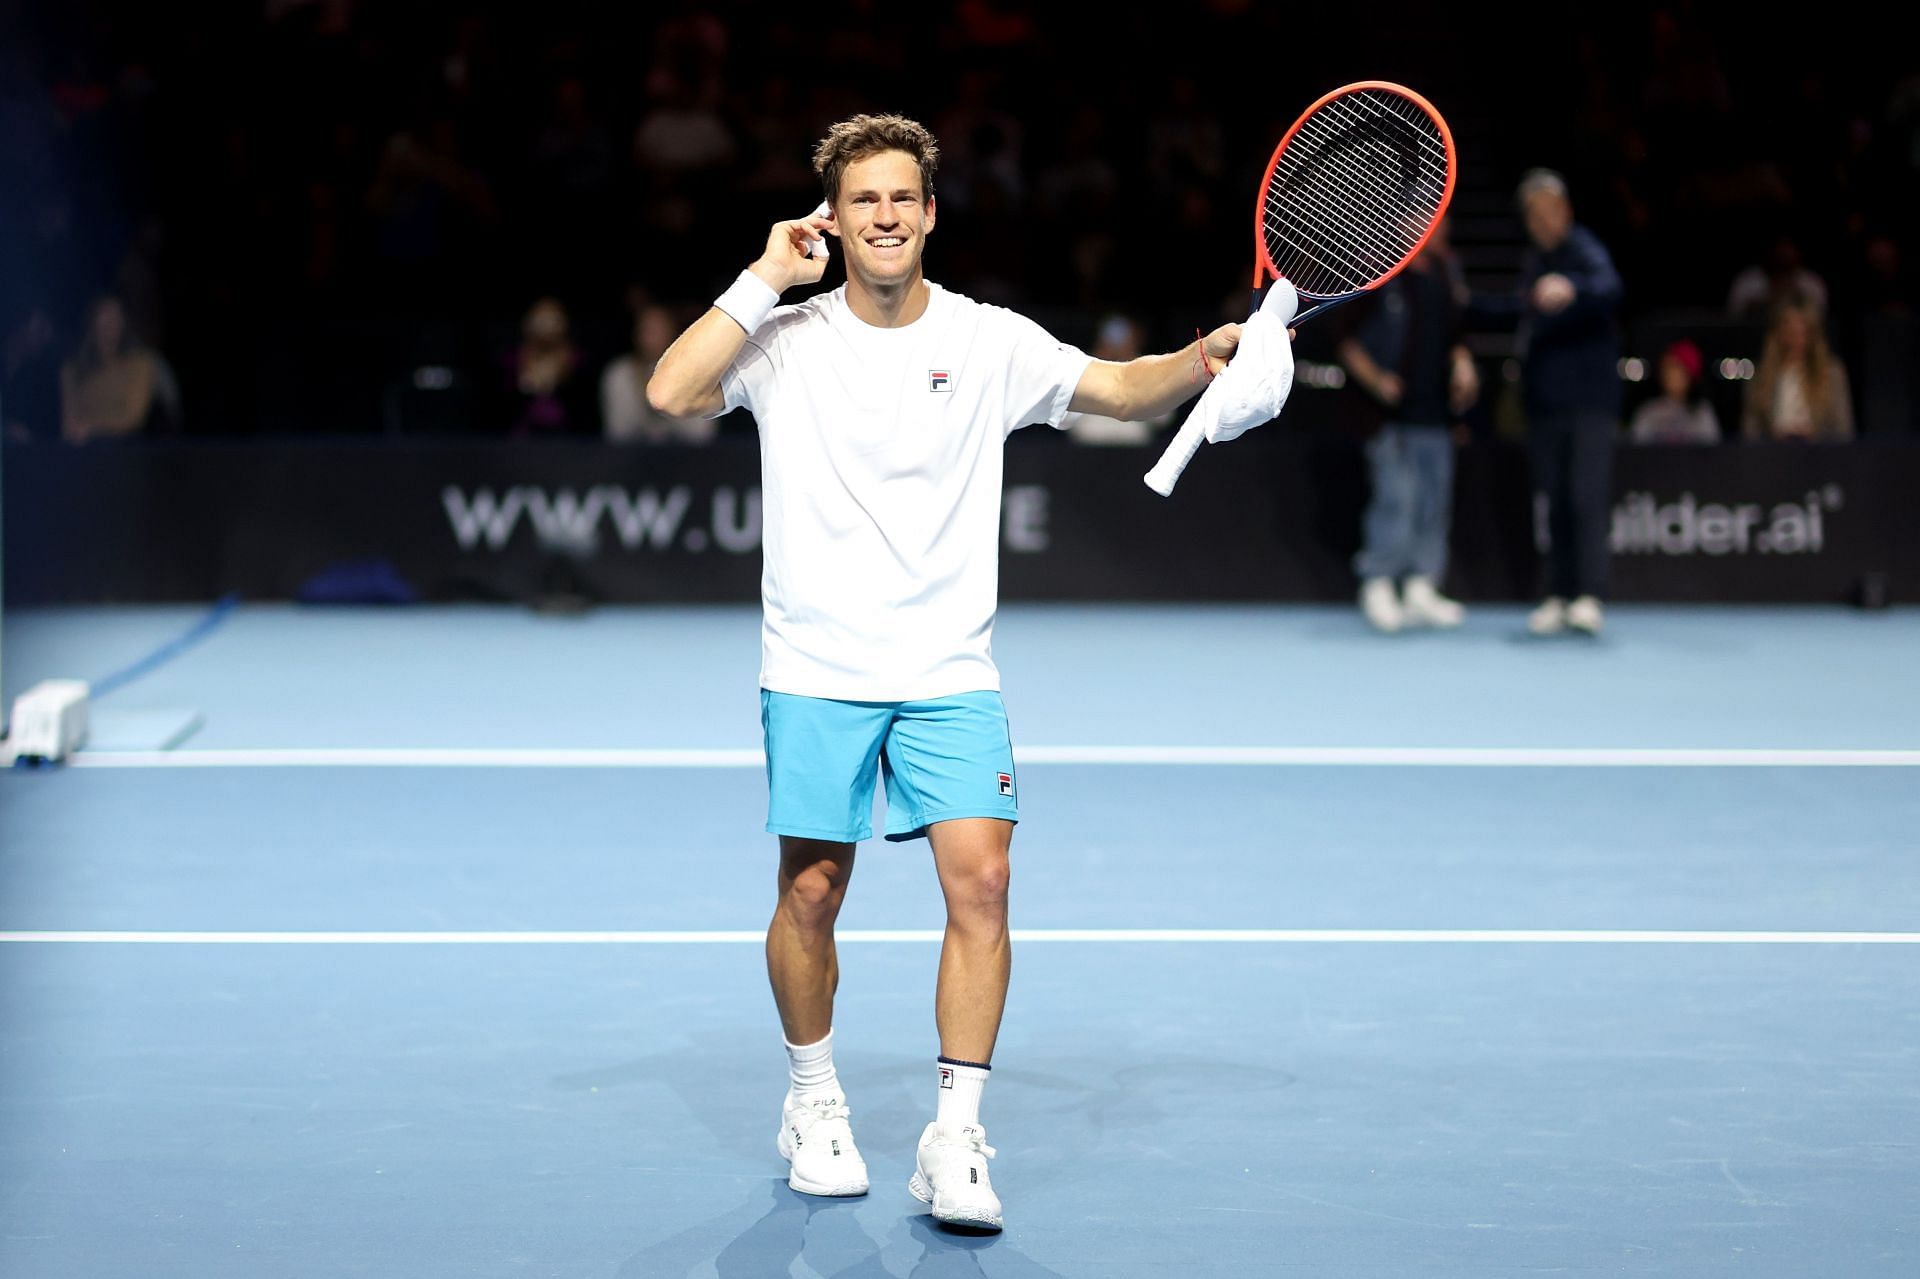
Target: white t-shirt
881 455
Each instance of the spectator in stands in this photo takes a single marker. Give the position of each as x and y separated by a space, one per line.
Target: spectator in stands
1884 285
109 388
625 414
1570 386
1120 339
30 380
681 143
1780 278
1680 414
1404 351
1799 391
424 202
544 390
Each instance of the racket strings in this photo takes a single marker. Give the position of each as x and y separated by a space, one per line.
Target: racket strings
1306 241
1357 189
1348 205
1347 218
1356 182
1401 153
1312 242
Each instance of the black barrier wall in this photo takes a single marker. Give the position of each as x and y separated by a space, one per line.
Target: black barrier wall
1273 518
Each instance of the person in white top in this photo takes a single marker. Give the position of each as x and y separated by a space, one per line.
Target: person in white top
882 408
625 415
1119 338
1799 391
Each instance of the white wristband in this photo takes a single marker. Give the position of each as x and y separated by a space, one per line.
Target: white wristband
749 300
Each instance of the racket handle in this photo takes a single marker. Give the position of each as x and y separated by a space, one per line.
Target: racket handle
1180 450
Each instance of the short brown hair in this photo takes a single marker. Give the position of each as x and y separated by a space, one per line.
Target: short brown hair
868 135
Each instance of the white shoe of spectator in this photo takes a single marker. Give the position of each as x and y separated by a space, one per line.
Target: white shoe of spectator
1584 614
1381 605
1424 606
1550 618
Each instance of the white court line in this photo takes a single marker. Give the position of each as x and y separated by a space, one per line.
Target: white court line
1345 756
756 937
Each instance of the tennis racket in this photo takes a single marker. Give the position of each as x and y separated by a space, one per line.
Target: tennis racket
1352 193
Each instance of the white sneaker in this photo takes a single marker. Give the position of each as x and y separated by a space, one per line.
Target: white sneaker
817 1139
1550 618
1584 614
951 1174
1380 605
1428 607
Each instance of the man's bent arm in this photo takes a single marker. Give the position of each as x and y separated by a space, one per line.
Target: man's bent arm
686 381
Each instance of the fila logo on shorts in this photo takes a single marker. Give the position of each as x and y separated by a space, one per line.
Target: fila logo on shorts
939 380
1006 783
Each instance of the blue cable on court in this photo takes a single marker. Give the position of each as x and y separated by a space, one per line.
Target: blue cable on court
170 650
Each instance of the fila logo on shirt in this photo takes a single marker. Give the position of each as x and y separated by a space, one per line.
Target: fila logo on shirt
1006 783
939 380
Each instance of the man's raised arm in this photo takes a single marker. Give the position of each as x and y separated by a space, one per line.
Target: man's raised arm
686 382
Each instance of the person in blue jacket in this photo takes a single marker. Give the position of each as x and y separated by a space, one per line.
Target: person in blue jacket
1570 352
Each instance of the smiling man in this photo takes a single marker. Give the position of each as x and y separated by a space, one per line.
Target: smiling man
883 406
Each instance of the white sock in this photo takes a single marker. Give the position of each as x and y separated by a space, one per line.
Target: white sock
810 1067
961 1083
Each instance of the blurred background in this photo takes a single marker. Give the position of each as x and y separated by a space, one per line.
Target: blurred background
380 267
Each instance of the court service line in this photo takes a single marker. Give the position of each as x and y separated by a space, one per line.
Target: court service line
1270 756
1101 936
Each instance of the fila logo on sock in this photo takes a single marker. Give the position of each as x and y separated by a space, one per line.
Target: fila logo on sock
1006 783
939 380
946 1077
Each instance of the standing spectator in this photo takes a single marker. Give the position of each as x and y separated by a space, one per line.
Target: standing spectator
625 414
1570 386
1405 353
1800 390
109 387
1680 414
543 389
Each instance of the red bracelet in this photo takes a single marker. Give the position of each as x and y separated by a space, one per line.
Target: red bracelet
1201 356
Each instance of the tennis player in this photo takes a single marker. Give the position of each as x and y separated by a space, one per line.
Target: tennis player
882 408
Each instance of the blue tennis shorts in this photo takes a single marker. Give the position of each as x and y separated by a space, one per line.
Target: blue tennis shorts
943 758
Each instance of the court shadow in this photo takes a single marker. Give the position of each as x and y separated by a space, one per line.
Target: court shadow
1525 638
764 1236
772 1244
777 1232
918 1247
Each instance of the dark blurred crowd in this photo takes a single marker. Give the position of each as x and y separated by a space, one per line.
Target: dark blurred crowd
322 216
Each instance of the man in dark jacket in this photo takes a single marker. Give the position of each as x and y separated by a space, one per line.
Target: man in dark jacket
1405 353
1569 295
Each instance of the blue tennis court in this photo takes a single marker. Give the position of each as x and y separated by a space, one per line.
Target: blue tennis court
427 942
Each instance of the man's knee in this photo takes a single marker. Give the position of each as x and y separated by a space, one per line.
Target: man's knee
982 881
814 876
818 887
